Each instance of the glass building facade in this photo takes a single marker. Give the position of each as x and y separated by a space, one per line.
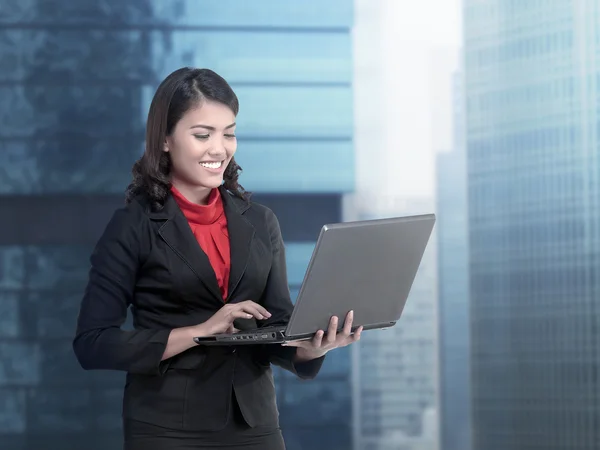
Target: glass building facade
76 79
396 369
453 285
533 90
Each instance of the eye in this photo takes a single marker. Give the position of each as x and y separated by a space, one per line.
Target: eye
230 136
202 137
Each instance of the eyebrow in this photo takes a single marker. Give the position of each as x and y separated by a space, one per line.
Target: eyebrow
208 127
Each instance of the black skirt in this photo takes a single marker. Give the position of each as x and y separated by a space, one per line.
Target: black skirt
236 435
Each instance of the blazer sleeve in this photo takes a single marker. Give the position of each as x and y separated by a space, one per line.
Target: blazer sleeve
276 299
100 343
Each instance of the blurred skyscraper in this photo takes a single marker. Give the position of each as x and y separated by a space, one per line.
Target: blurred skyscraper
402 110
453 285
532 89
70 109
397 398
75 84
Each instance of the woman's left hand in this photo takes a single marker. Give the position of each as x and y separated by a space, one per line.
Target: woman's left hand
321 343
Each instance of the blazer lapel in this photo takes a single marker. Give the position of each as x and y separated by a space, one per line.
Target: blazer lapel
241 234
178 235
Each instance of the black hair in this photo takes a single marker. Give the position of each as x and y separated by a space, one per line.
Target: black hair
181 91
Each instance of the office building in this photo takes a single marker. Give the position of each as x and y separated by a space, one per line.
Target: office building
74 94
534 222
453 285
396 400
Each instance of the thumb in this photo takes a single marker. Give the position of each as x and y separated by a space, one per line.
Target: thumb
231 329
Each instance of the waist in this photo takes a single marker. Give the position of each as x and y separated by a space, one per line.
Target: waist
198 393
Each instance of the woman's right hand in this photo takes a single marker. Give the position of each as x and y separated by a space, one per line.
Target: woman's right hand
222 320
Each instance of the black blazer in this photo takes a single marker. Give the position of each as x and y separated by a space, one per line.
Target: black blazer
151 262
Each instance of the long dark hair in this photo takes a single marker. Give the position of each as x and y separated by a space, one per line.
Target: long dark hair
178 93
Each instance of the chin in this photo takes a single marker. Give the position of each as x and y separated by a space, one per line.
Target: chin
211 184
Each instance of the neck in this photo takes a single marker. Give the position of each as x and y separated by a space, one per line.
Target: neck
194 194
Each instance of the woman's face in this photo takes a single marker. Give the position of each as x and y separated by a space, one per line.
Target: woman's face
201 146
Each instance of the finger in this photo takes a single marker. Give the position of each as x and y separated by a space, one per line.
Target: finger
255 312
240 314
332 330
357 333
255 309
348 324
248 311
258 307
317 340
304 344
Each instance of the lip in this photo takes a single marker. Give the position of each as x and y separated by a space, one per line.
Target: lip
208 169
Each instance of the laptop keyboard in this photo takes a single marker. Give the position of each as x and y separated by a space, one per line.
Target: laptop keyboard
265 329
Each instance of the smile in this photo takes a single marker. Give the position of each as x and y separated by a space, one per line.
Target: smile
212 165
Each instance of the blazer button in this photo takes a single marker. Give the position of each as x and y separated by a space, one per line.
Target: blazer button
233 350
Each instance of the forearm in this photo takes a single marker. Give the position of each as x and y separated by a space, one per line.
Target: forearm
180 340
135 351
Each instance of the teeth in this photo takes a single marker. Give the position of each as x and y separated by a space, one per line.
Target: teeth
212 165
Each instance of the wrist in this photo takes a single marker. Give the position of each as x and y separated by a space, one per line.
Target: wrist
305 355
199 330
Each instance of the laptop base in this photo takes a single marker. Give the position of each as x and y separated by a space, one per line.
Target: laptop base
268 335
271 335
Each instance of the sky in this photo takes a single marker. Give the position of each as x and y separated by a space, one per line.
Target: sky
405 55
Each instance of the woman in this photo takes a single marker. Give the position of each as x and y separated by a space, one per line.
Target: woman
190 254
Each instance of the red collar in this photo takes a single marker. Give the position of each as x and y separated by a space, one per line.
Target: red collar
200 214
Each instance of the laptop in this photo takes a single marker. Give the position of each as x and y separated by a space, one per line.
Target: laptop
365 266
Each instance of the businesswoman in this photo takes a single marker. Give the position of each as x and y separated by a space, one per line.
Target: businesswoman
191 255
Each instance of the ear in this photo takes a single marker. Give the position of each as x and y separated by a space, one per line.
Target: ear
166 146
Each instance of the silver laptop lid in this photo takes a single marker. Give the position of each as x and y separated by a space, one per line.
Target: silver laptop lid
365 266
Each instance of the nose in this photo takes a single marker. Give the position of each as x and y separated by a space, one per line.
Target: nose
218 152
219 149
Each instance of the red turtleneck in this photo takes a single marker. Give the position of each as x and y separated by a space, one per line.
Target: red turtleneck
209 225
